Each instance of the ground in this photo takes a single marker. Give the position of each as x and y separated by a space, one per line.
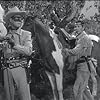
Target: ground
68 95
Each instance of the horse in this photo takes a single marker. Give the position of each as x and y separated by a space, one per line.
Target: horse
51 53
50 50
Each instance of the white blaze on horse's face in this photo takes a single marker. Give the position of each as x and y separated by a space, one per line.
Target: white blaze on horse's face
57 55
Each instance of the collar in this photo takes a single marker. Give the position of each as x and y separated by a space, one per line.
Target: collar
81 35
19 31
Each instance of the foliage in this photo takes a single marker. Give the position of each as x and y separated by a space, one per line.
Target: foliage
62 7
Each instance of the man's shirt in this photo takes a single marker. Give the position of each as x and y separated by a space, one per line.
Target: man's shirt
23 43
83 48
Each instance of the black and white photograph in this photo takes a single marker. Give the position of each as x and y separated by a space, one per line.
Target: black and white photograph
50 50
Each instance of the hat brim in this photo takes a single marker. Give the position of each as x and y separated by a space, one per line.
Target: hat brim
9 15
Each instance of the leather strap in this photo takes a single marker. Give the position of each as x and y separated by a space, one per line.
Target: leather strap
85 59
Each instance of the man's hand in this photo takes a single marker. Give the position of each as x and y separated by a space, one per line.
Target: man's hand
65 52
10 41
3 44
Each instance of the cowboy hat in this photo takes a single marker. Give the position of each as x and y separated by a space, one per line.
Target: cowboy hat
14 11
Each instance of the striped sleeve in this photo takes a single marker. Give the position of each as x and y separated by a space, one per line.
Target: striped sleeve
79 49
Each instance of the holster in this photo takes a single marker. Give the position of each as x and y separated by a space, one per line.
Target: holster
28 74
85 59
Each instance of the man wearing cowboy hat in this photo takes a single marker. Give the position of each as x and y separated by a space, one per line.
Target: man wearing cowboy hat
18 47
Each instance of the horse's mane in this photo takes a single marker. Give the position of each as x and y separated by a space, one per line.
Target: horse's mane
42 27
31 20
45 36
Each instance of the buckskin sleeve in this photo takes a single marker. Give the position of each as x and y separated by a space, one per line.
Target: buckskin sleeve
26 48
78 50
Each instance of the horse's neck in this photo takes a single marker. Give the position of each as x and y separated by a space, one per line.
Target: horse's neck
55 38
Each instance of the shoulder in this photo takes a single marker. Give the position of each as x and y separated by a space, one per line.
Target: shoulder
84 40
85 36
24 32
87 40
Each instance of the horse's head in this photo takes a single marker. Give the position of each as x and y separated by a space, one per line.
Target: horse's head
28 24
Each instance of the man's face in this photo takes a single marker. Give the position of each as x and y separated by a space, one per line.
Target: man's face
78 28
16 21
